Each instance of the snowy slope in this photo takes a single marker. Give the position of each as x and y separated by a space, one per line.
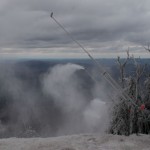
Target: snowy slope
78 142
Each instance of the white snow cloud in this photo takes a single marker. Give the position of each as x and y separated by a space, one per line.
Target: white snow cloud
80 114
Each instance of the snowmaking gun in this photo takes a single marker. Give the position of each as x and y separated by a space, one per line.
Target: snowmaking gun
108 78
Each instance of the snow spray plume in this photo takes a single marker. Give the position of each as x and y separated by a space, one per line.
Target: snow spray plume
96 116
81 115
61 83
59 104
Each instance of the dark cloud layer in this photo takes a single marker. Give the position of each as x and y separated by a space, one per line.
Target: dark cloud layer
26 23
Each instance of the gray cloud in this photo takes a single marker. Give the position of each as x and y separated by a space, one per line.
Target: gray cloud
26 23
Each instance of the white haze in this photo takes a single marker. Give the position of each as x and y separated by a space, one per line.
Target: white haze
61 84
81 115
75 111
96 115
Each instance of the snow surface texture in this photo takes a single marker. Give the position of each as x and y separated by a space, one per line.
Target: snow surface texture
78 142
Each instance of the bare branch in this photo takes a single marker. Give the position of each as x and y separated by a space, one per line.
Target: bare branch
147 48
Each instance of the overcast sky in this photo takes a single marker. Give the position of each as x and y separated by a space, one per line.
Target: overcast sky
103 27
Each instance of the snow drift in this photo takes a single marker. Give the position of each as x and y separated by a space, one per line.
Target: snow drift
78 142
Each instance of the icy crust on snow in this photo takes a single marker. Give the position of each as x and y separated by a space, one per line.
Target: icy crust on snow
78 142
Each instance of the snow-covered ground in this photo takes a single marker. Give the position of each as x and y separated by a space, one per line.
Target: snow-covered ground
78 142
